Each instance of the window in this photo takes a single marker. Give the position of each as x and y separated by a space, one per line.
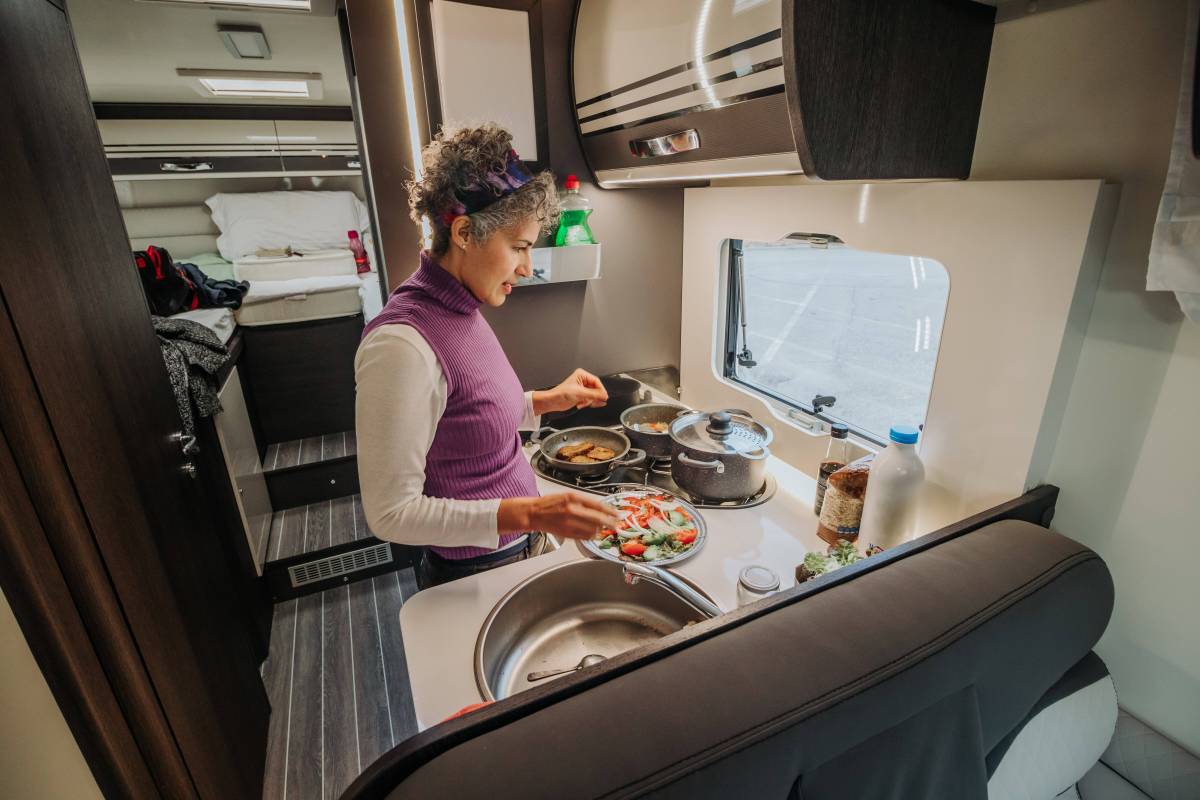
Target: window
848 335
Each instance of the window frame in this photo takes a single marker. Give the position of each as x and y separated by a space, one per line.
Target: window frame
733 314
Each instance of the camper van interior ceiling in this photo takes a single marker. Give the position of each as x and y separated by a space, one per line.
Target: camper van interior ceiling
237 83
245 41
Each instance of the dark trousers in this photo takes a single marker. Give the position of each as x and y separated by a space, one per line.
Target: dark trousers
433 570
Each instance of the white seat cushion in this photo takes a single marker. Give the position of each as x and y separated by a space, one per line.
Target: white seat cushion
1058 746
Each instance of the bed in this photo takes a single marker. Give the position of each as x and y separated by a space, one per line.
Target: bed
319 285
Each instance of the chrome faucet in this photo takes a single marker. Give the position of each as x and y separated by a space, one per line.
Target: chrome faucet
635 572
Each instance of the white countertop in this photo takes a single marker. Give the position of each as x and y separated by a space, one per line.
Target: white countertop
440 625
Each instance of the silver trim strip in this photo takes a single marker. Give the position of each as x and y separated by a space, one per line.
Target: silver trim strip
761 66
724 102
754 41
680 171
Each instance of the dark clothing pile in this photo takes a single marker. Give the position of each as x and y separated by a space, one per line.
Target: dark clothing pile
193 355
171 288
213 293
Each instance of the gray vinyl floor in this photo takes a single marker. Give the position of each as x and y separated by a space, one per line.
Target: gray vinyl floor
307 529
338 684
309 451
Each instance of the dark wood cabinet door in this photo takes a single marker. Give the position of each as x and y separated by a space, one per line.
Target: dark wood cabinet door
83 327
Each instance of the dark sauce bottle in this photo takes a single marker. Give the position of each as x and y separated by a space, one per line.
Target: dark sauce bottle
836 457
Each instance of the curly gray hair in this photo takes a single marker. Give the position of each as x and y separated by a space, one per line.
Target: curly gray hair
461 157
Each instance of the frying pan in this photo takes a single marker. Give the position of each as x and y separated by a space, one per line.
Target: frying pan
601 437
622 393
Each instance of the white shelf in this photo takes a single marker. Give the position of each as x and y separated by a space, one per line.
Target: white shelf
579 262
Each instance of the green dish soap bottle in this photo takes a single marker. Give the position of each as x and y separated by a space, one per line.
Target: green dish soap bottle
572 224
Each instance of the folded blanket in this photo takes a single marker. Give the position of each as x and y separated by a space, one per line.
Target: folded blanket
262 291
193 355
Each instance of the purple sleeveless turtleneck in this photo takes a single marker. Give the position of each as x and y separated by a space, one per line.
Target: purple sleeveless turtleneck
476 451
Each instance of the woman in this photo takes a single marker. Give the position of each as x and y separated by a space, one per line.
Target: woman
439 406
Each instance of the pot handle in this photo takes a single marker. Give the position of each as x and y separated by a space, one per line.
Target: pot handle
687 460
545 430
631 460
761 455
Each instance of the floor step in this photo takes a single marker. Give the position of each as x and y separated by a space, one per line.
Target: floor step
316 526
324 544
314 449
311 470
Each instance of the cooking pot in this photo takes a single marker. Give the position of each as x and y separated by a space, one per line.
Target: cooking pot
720 455
656 445
601 437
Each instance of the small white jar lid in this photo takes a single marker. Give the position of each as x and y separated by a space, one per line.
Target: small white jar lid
759 579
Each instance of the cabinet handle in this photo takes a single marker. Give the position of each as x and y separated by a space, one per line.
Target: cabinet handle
186 166
666 145
353 163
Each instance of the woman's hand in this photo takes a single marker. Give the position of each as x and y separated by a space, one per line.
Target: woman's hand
581 389
570 515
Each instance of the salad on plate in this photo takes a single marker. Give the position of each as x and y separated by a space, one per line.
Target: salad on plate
655 526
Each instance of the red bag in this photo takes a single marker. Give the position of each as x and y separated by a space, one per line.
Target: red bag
168 290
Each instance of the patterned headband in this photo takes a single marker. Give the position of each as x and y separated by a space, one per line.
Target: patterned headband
494 187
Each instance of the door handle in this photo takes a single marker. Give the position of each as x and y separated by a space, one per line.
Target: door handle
666 145
186 166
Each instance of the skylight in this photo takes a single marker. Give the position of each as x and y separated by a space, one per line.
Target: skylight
254 87
247 83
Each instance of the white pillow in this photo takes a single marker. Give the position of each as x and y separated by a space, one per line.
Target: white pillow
302 220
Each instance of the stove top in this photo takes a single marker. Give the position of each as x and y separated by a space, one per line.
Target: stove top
657 472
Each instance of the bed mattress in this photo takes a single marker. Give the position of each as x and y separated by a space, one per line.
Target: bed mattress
301 307
318 264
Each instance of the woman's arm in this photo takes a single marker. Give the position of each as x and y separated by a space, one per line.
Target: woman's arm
401 396
581 389
533 418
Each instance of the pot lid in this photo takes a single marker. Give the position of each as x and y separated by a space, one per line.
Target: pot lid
720 432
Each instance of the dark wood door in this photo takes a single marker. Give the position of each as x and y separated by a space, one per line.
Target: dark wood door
81 323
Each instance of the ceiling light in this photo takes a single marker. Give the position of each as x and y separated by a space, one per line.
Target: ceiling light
245 41
281 138
254 87
290 5
242 83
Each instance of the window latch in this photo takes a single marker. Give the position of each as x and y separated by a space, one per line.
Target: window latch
822 401
744 357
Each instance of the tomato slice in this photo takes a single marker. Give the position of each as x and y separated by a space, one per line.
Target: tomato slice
633 548
685 537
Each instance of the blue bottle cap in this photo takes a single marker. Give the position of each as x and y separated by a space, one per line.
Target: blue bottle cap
904 434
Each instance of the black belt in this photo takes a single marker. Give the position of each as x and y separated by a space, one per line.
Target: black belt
507 551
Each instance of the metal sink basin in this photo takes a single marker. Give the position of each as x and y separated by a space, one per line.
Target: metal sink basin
556 617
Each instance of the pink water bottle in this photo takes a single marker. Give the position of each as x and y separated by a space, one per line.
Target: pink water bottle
360 252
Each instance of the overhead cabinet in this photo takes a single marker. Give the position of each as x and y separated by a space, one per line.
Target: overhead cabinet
681 91
182 148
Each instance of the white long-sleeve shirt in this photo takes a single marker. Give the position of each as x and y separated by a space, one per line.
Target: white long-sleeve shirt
401 398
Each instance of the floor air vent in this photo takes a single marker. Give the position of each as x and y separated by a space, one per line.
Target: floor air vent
334 566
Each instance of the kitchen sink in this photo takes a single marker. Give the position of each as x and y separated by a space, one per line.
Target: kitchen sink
556 617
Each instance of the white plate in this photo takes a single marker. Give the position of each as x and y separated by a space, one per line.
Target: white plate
592 547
